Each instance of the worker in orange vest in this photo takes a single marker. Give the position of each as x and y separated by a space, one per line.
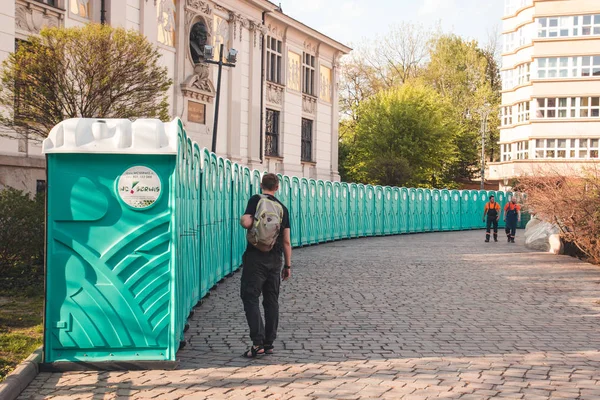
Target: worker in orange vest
492 212
512 216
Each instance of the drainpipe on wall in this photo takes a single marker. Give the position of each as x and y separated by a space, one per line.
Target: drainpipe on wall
103 12
262 89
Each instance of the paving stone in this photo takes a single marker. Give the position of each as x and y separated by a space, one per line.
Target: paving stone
414 316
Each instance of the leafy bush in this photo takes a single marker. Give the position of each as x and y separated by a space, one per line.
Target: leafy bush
570 200
21 239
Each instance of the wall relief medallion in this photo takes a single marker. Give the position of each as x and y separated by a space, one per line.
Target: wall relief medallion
199 5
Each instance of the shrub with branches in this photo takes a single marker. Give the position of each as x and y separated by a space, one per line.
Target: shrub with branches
571 201
94 71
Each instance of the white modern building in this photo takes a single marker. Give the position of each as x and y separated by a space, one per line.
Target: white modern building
551 87
279 104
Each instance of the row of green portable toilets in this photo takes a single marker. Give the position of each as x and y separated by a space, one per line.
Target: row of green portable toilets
122 279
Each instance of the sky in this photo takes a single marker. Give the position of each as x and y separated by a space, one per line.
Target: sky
353 22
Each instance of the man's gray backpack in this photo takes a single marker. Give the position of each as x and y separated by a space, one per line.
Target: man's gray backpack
267 224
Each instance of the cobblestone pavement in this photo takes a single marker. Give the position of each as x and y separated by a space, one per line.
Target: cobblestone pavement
439 315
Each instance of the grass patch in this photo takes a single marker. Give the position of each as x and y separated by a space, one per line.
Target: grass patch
20 330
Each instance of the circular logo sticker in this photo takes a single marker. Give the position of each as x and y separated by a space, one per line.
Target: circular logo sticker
139 187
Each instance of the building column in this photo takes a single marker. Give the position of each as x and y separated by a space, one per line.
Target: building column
335 120
255 112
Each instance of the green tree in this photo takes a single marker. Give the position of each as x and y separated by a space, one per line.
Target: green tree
403 138
90 71
462 73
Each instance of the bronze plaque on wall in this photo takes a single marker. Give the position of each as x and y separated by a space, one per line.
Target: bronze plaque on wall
196 112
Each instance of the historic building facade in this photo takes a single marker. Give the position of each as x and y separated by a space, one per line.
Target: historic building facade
551 87
278 105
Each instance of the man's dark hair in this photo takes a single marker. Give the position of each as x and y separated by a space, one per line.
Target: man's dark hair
492 197
270 181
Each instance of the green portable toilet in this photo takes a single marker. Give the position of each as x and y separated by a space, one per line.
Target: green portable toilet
378 211
294 211
329 213
361 210
404 210
388 211
412 211
320 224
436 217
419 210
476 209
395 211
313 210
501 199
427 216
304 213
113 292
369 221
237 242
465 213
206 254
343 210
336 210
446 210
455 210
353 216
483 199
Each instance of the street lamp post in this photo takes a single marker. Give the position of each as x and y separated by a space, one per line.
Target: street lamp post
485 112
230 62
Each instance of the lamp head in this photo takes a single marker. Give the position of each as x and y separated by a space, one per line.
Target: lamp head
232 56
209 52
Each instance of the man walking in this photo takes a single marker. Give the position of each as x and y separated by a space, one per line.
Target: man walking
268 224
492 211
512 216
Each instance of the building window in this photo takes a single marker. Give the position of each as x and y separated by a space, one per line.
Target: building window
307 135
272 133
590 66
508 79
523 150
274 60
507 116
571 26
48 2
512 6
308 74
563 107
506 152
40 186
524 73
589 107
523 111
81 8
519 38
166 22
567 148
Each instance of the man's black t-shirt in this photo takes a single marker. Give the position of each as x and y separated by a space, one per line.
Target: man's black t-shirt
285 223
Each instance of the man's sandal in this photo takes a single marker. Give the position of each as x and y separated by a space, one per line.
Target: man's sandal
268 349
254 352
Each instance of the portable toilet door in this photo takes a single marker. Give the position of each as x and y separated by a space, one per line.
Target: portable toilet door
388 211
236 213
320 219
403 210
455 211
427 216
419 209
475 209
221 232
227 217
304 212
362 210
328 212
436 218
395 222
353 210
369 210
312 212
465 215
446 210
483 199
378 211
343 214
294 211
501 199
336 210
412 211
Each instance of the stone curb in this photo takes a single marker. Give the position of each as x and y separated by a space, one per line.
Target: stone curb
21 377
